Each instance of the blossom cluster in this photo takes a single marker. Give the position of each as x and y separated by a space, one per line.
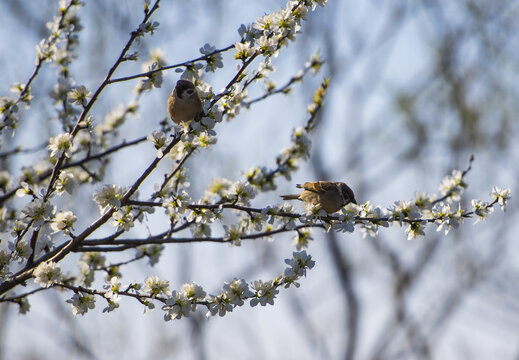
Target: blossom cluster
414 214
57 49
265 37
262 177
109 197
154 79
47 274
88 264
181 303
178 204
68 162
271 31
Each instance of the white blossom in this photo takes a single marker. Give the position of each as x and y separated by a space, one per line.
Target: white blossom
112 305
178 205
45 50
47 274
370 227
301 143
79 95
242 192
108 196
154 79
86 275
204 138
81 303
233 234
501 195
193 291
178 305
153 252
199 230
5 180
302 239
414 230
95 260
192 72
404 210
64 220
115 118
233 294
287 24
214 61
112 295
218 305
424 202
123 219
20 250
154 286
159 140
267 23
482 209
248 32
243 50
90 261
16 87
39 212
300 12
66 182
267 45
265 293
253 222
217 188
61 145
236 291
446 218
346 218
453 186
300 262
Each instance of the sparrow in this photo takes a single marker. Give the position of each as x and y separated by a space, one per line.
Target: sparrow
326 195
184 103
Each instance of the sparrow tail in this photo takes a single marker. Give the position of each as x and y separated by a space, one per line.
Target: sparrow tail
290 197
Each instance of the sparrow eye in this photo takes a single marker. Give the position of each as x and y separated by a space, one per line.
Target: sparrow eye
189 92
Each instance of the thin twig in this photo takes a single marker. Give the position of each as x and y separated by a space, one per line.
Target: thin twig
185 63
450 193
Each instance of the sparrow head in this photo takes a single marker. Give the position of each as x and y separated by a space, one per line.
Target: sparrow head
184 103
185 89
346 193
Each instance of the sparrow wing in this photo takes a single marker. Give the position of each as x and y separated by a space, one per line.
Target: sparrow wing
312 186
327 186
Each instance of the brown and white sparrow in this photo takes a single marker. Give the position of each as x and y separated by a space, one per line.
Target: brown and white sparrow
326 195
184 103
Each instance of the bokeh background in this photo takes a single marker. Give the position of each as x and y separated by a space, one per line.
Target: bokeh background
416 88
